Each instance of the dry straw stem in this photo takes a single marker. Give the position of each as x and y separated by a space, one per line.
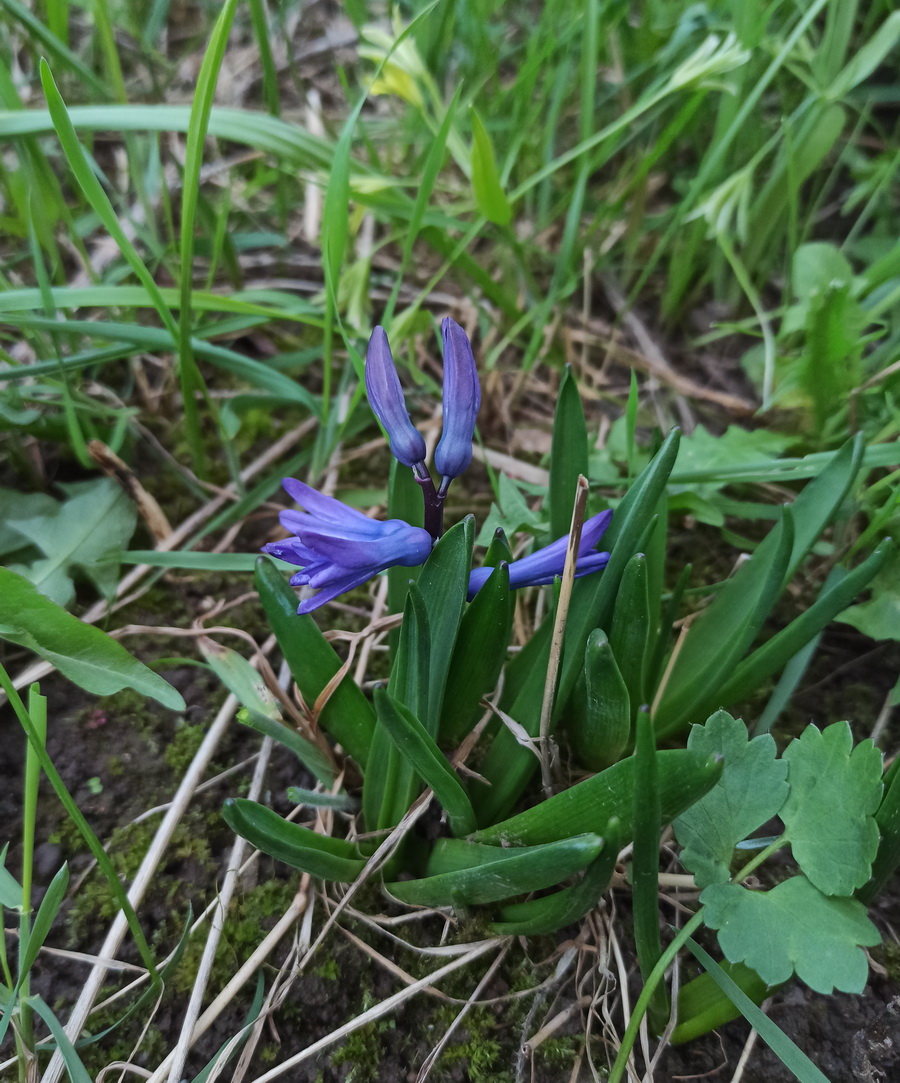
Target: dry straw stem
559 628
191 1015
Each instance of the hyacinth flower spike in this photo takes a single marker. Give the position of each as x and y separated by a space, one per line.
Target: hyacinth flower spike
339 548
462 399
542 567
389 406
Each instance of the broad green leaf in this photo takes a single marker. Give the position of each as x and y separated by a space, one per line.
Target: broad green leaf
829 815
489 194
514 872
347 716
84 531
415 743
81 652
297 846
701 452
888 820
793 928
568 455
751 791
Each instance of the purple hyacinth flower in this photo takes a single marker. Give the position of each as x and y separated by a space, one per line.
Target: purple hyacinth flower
387 402
338 547
543 566
462 398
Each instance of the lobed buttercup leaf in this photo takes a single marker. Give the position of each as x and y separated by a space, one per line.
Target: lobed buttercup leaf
751 791
830 814
794 928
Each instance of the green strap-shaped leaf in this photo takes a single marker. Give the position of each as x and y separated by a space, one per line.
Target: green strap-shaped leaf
772 655
43 921
297 846
478 656
629 635
645 866
81 652
419 748
390 784
260 709
793 1058
537 917
599 714
498 551
722 633
514 872
593 597
816 505
347 716
702 1006
684 777
489 194
568 454
444 581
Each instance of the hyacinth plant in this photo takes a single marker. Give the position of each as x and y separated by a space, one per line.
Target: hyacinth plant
602 685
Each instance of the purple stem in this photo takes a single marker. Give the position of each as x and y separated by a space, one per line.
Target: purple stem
434 504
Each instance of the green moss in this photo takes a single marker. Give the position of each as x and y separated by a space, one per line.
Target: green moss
363 1051
329 970
183 747
248 917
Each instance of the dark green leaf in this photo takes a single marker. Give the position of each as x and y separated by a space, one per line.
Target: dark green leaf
347 715
568 455
319 855
478 656
514 872
419 748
